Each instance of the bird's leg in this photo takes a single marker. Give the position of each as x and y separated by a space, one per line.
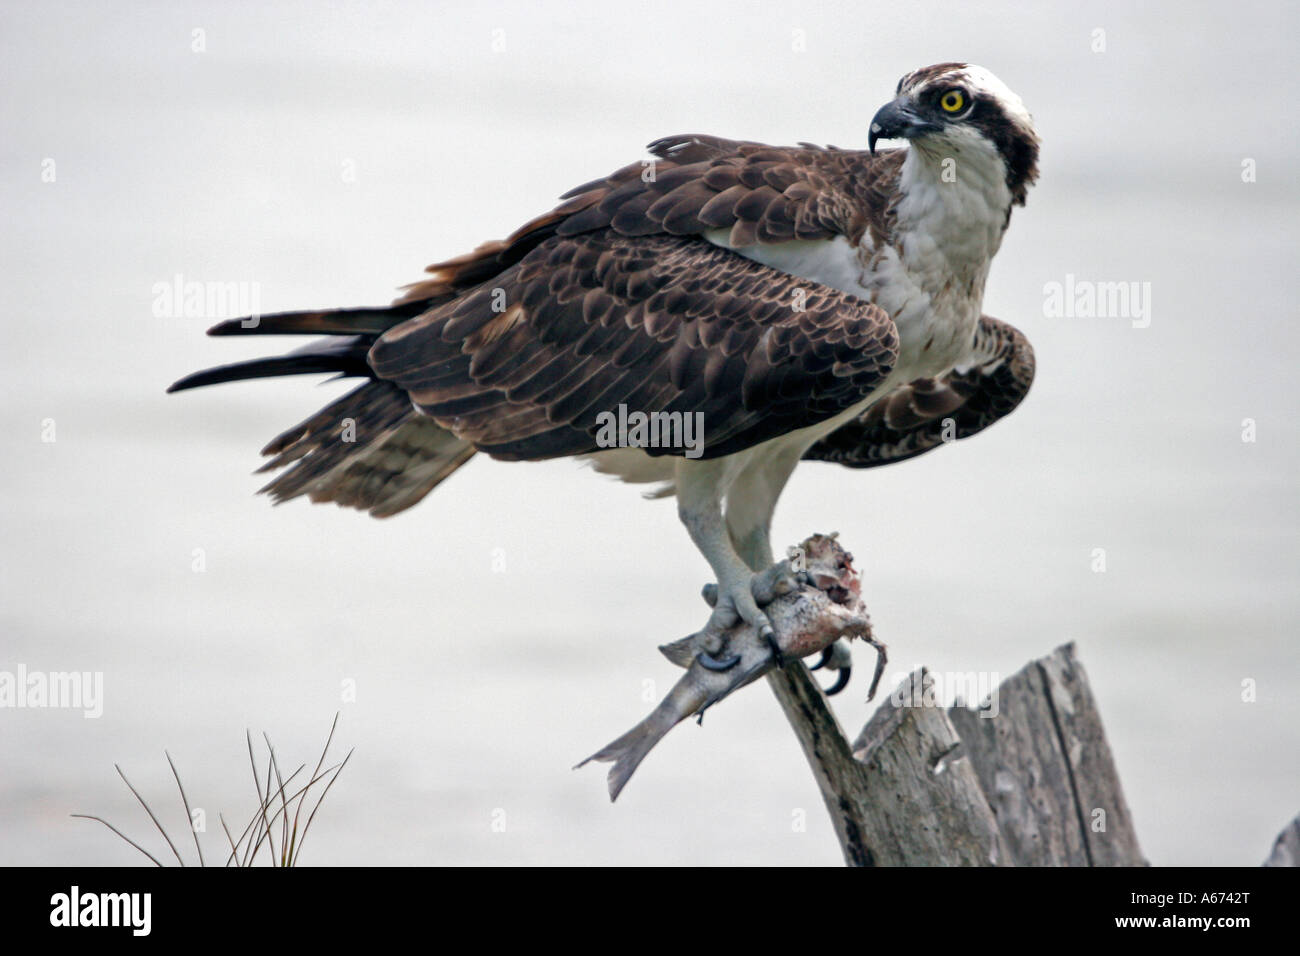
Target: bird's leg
733 596
751 501
770 580
768 585
765 586
699 505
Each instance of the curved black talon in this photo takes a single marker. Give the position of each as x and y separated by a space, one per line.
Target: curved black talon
826 656
841 682
777 655
709 662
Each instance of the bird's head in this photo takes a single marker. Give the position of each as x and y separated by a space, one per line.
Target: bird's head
951 109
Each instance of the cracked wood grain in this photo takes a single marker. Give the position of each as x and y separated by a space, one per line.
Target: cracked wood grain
1047 770
1031 783
902 795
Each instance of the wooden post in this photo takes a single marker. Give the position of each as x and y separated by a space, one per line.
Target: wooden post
1286 848
838 775
1047 770
1031 782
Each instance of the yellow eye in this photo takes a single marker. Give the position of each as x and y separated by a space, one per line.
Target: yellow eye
953 101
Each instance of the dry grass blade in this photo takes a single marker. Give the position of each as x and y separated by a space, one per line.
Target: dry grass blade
87 816
262 800
312 815
189 814
265 834
149 810
278 806
315 776
270 801
295 798
259 815
284 806
229 839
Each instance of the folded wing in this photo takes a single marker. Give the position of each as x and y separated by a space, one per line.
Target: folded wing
522 366
925 413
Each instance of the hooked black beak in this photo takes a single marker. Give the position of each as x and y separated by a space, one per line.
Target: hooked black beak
896 120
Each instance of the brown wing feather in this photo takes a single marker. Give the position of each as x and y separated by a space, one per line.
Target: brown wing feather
911 420
763 194
596 318
522 366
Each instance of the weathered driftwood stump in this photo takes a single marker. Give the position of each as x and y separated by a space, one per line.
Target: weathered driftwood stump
1034 785
1045 766
1286 848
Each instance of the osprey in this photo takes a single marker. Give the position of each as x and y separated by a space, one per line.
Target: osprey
810 303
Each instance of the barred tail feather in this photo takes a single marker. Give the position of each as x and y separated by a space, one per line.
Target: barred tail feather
370 449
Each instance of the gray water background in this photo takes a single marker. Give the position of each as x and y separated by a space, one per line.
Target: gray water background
478 689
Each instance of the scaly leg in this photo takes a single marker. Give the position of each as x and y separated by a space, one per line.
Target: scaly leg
700 489
751 502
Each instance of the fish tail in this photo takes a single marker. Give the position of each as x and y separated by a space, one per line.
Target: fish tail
627 752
